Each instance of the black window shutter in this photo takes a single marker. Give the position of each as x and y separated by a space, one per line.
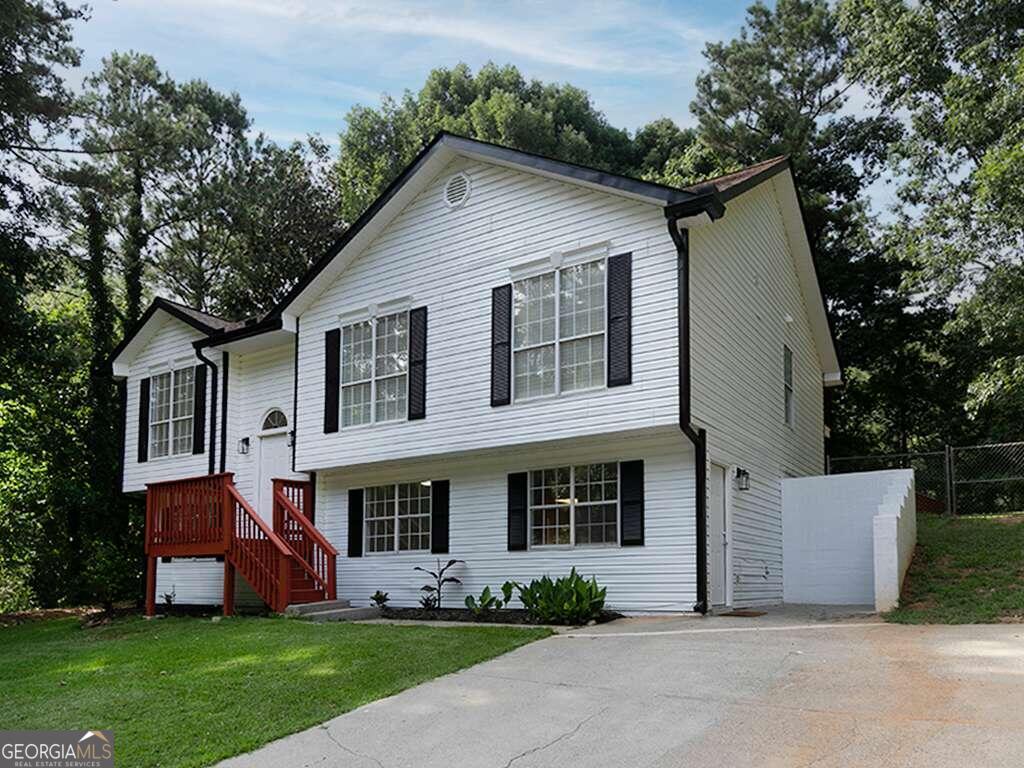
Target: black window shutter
631 502
439 492
501 345
332 378
517 511
355 522
199 411
144 420
620 320
418 364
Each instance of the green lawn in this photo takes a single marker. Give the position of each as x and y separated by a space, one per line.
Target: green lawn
966 570
189 692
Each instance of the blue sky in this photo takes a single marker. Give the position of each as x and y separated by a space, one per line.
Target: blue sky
299 65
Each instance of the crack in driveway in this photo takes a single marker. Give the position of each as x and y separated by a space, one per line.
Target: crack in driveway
327 732
566 735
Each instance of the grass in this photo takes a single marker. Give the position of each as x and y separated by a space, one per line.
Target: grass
966 570
190 692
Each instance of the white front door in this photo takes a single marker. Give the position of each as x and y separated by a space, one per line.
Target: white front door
718 542
275 461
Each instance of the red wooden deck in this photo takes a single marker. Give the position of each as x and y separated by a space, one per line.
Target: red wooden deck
290 562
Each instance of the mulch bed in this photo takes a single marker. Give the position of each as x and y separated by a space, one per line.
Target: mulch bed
503 616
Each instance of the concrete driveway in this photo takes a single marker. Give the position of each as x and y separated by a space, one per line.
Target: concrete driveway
786 689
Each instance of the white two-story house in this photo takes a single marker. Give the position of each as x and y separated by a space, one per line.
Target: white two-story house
520 363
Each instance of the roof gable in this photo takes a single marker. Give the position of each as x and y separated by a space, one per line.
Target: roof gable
424 169
159 312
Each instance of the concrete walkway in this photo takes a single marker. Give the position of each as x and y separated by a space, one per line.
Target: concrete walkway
786 689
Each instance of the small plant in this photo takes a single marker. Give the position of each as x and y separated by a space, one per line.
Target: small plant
484 604
169 597
440 580
568 600
428 602
379 599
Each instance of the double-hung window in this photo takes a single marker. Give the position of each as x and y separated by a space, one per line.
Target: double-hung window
397 517
171 410
374 370
789 401
573 506
558 331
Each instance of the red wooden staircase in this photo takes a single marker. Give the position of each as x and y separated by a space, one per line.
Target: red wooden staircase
286 564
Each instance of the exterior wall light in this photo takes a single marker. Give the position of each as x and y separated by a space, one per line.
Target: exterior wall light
243 446
742 479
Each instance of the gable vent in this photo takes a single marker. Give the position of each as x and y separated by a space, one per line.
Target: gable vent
456 190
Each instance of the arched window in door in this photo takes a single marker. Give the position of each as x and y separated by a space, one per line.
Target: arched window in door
275 420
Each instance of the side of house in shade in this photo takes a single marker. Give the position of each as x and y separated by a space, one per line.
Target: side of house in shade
517 362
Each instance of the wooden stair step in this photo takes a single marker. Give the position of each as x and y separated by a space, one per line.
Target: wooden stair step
305 595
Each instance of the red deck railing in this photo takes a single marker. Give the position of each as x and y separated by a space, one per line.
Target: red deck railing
292 498
258 553
207 515
186 516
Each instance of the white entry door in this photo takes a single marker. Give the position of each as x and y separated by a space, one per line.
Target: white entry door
718 530
275 461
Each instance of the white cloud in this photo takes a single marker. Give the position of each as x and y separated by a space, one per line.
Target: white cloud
597 38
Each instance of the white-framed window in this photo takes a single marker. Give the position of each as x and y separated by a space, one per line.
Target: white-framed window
171 410
575 506
789 399
374 370
558 331
396 517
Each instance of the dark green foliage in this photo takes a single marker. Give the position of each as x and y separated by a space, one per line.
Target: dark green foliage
433 592
568 600
485 603
379 598
498 105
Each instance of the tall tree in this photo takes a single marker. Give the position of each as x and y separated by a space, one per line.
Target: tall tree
196 242
497 104
40 340
957 70
132 132
780 89
283 212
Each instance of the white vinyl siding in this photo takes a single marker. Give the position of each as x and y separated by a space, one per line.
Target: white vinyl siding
451 261
746 304
558 322
659 576
170 343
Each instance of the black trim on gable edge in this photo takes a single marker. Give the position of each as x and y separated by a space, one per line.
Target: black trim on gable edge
496 152
174 310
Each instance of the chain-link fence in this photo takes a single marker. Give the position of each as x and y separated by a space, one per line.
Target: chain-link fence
961 480
988 479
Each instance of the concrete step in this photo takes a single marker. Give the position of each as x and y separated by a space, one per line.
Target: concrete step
301 609
343 614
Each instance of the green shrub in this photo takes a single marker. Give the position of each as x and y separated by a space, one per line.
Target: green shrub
486 603
568 600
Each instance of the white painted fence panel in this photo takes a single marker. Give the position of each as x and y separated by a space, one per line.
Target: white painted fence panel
848 539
